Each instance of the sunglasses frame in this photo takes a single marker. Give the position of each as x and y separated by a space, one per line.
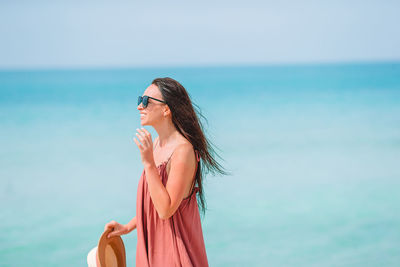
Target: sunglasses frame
145 100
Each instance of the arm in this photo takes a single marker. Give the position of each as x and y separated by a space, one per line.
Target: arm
166 199
131 225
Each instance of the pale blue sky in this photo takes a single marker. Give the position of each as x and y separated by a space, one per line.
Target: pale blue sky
64 34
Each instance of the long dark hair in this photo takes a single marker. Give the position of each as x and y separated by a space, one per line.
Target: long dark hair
186 121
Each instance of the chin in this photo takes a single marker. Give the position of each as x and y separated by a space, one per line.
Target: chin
143 122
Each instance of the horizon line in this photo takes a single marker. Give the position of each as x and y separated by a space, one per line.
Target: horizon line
194 66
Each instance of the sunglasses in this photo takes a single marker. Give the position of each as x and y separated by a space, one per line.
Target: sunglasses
145 100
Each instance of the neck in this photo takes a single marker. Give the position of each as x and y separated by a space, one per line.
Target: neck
166 132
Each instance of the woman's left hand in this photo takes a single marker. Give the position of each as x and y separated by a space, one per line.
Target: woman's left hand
145 146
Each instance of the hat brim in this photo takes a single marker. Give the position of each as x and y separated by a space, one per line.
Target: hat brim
111 251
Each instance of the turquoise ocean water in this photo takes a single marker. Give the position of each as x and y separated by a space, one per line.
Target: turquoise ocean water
314 152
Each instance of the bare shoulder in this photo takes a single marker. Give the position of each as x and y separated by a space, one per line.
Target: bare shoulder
184 155
183 150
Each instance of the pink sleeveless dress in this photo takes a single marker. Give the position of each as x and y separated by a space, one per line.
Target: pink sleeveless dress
177 241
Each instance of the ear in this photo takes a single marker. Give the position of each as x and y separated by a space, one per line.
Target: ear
167 111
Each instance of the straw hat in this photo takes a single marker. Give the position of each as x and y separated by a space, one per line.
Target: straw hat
110 251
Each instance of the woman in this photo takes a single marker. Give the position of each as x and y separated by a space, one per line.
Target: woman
167 213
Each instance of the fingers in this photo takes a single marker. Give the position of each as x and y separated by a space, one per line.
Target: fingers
110 225
145 138
114 233
138 144
142 133
142 140
145 134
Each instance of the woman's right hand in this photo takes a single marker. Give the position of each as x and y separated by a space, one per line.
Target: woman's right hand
117 229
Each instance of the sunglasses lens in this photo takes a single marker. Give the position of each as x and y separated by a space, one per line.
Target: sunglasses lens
145 101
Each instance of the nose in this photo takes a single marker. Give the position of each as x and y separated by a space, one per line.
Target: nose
140 107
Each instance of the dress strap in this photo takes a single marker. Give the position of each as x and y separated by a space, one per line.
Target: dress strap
170 156
197 154
166 161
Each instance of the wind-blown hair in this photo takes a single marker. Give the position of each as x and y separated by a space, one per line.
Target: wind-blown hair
186 121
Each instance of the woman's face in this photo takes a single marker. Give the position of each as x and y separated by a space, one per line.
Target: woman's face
154 112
